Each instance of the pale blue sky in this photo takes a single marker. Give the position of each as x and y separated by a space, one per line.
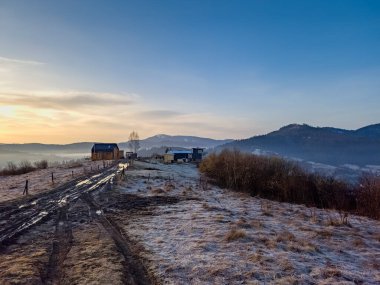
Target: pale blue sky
209 68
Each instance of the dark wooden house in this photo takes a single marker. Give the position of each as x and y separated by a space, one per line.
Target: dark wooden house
105 151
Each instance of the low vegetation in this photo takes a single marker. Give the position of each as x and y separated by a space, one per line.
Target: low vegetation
23 167
26 166
277 179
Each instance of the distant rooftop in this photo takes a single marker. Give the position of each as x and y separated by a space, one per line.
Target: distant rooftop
105 147
174 151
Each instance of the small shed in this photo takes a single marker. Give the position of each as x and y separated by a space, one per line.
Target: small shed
168 158
130 155
105 151
197 154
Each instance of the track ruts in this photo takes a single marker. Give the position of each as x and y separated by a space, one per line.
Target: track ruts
134 272
20 215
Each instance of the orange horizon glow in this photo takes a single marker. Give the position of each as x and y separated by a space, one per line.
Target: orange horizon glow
56 119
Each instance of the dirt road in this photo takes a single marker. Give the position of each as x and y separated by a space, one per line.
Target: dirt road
41 236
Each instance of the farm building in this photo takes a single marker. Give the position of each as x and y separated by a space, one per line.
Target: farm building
105 151
183 155
130 155
177 155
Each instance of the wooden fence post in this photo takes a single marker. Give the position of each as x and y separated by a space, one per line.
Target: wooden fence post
26 187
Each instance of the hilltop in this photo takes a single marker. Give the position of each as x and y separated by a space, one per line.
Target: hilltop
328 145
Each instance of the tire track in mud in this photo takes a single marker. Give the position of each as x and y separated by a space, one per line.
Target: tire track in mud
135 272
18 216
61 246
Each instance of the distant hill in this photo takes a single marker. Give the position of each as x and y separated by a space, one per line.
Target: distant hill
43 148
158 143
324 145
178 141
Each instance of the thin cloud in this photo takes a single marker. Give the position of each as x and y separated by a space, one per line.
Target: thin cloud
71 100
159 114
19 61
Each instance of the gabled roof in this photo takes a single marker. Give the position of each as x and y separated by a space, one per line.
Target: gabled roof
104 147
179 151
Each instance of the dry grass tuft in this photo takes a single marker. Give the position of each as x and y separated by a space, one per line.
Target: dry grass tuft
235 234
220 218
257 257
329 272
169 186
256 224
302 246
266 208
286 265
219 271
324 233
285 236
262 238
158 191
206 206
271 243
358 242
287 280
242 223
18 269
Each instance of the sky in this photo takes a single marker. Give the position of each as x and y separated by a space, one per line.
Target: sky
94 70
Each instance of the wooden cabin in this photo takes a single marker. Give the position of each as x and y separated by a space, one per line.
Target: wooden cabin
105 151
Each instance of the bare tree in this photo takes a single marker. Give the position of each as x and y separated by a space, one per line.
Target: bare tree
134 141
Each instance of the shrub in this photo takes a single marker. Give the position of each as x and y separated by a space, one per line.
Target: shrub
281 180
42 164
368 193
12 169
73 163
25 166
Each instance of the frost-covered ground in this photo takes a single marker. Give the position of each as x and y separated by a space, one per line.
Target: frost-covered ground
223 237
12 186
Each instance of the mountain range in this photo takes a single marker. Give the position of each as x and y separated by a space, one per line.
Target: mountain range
319 144
326 145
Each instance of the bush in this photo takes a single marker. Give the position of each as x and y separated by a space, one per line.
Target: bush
277 179
369 196
42 164
73 163
10 169
23 167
